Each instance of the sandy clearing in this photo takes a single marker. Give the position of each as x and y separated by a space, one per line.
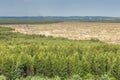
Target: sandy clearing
107 32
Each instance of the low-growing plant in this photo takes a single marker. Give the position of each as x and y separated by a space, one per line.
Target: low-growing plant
23 55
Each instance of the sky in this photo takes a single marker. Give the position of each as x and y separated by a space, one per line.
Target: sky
60 8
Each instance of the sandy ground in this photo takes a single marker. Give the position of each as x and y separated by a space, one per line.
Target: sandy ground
107 32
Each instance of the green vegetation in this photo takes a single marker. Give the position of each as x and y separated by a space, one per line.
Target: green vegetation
56 19
27 21
44 58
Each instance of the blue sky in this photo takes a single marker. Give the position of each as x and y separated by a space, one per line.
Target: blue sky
60 8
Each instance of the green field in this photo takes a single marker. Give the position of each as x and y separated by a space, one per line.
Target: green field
56 19
27 21
36 57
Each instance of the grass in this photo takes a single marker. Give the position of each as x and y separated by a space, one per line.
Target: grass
23 55
27 21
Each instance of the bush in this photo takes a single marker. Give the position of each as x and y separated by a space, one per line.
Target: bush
33 55
2 77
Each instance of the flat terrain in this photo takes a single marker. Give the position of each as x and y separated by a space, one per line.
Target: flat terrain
107 32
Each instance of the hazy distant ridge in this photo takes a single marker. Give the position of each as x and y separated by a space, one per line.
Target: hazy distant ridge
38 19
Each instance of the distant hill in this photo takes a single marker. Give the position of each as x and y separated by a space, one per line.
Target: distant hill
58 17
49 19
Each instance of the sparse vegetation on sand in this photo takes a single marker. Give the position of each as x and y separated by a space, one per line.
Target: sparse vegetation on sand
107 32
23 55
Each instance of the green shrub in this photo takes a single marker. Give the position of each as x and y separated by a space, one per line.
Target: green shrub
2 77
33 55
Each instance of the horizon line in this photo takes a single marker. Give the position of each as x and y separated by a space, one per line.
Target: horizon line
62 16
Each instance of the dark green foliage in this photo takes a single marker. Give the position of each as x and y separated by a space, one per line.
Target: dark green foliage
29 55
28 21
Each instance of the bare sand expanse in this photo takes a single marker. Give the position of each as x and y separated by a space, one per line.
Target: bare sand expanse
107 32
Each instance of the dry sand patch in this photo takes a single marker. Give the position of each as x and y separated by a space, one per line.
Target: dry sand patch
107 32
